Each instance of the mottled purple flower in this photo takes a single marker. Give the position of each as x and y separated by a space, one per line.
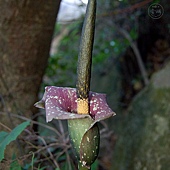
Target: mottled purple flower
61 103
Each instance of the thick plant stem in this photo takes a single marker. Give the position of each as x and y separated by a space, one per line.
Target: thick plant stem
81 167
85 53
84 75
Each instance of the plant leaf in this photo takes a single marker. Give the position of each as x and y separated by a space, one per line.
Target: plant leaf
11 137
14 165
89 147
3 135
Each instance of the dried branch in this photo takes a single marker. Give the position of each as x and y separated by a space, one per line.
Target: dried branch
32 121
137 53
51 155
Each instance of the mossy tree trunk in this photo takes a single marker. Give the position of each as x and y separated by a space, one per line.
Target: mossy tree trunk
26 29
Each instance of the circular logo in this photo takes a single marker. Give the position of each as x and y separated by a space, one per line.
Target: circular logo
155 11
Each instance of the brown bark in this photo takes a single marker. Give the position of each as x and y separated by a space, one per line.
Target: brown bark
26 29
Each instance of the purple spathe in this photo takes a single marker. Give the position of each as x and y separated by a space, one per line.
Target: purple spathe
61 103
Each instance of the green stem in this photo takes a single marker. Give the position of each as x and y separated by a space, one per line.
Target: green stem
81 167
85 52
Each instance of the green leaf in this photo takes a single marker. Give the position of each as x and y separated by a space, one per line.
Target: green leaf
15 165
3 135
134 34
89 147
85 140
95 165
77 128
11 137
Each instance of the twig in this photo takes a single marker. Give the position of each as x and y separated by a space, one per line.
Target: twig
34 122
68 160
137 53
61 127
5 127
127 9
51 155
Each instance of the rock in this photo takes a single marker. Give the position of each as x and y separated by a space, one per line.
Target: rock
144 136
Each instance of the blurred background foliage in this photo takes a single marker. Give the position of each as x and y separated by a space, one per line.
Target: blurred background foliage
121 28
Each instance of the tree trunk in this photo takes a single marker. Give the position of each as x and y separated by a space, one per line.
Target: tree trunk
26 29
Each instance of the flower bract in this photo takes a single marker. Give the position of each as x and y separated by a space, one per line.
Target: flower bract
61 103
